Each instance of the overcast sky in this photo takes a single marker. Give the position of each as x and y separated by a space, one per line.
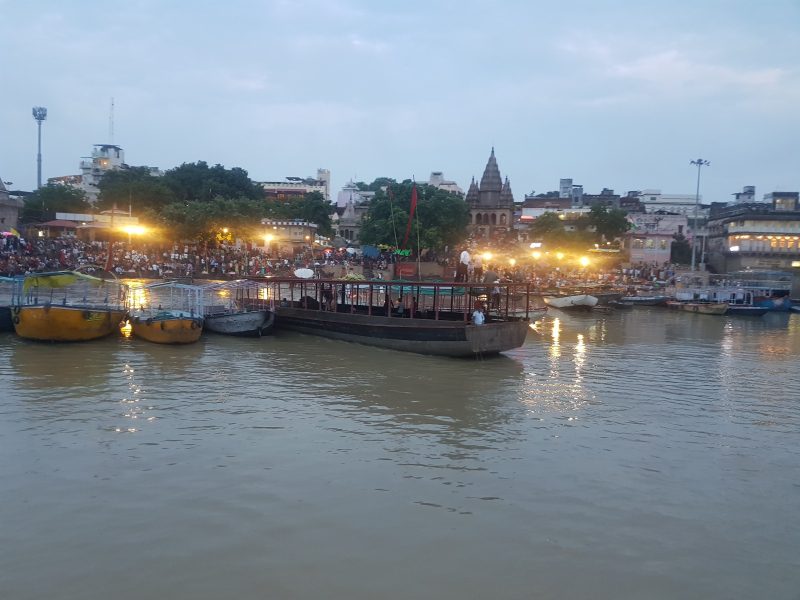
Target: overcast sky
617 94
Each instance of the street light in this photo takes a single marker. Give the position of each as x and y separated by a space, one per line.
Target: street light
699 163
40 114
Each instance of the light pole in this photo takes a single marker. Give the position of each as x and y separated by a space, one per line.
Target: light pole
40 114
699 163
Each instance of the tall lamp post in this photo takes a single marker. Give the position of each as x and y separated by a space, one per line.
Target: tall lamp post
40 114
699 163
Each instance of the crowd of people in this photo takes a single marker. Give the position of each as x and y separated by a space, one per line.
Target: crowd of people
19 256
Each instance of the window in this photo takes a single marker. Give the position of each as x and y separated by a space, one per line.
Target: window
650 244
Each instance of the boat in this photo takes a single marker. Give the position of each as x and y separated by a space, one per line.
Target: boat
741 302
769 289
423 317
643 300
9 290
700 307
68 306
576 302
167 313
239 308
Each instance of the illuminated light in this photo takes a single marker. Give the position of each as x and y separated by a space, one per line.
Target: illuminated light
512 261
536 255
584 260
268 238
127 329
734 248
560 255
224 230
536 244
796 263
134 229
487 256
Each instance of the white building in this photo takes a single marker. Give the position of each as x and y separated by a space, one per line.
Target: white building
350 194
683 204
437 180
299 186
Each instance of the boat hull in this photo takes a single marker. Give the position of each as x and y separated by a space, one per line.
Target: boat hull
578 302
65 323
423 336
644 300
710 308
6 324
244 324
168 330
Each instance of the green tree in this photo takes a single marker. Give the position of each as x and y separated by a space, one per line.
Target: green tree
609 224
135 188
202 221
44 203
193 182
681 250
442 217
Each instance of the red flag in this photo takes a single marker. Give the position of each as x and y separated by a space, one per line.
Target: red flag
411 213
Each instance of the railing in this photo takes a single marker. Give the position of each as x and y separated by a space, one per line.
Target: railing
406 299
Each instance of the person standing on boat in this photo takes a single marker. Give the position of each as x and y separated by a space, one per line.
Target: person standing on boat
463 264
478 317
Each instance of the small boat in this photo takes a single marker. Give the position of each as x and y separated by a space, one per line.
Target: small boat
577 302
240 308
9 291
703 308
68 306
167 313
644 300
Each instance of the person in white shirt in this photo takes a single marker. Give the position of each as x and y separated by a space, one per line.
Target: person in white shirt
478 317
463 263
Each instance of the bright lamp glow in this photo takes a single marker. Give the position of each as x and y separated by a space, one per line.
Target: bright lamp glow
134 229
536 255
560 255
584 260
734 248
487 256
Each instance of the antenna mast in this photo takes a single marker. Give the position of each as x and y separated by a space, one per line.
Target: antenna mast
111 122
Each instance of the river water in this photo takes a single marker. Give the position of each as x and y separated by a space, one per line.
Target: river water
642 454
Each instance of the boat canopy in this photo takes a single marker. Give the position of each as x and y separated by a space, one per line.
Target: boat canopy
59 279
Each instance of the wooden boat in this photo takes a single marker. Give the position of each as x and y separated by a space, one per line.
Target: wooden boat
644 300
68 306
167 313
703 308
576 302
741 302
239 308
435 322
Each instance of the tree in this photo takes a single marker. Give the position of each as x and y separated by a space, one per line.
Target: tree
42 204
441 217
609 224
203 220
135 188
681 250
193 182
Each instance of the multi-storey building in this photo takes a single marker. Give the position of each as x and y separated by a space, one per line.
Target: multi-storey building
297 187
437 180
491 204
649 240
288 237
756 235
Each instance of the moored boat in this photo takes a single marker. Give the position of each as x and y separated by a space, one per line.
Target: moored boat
68 306
437 322
239 308
576 302
703 308
644 300
167 313
9 290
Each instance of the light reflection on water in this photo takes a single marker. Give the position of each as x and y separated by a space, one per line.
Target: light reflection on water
316 467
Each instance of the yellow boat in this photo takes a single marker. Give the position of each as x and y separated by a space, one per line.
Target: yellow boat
167 313
168 328
68 307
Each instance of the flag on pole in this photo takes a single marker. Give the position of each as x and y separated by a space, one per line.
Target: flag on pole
411 214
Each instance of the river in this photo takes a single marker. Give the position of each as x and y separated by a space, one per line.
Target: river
642 454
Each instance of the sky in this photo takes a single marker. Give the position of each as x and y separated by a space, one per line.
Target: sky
616 94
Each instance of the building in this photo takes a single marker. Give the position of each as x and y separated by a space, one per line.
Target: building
297 187
606 198
650 238
491 204
104 158
288 237
746 196
683 204
351 194
10 207
756 235
346 221
437 180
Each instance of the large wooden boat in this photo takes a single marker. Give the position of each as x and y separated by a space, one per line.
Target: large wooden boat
643 300
427 318
68 307
239 308
167 313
